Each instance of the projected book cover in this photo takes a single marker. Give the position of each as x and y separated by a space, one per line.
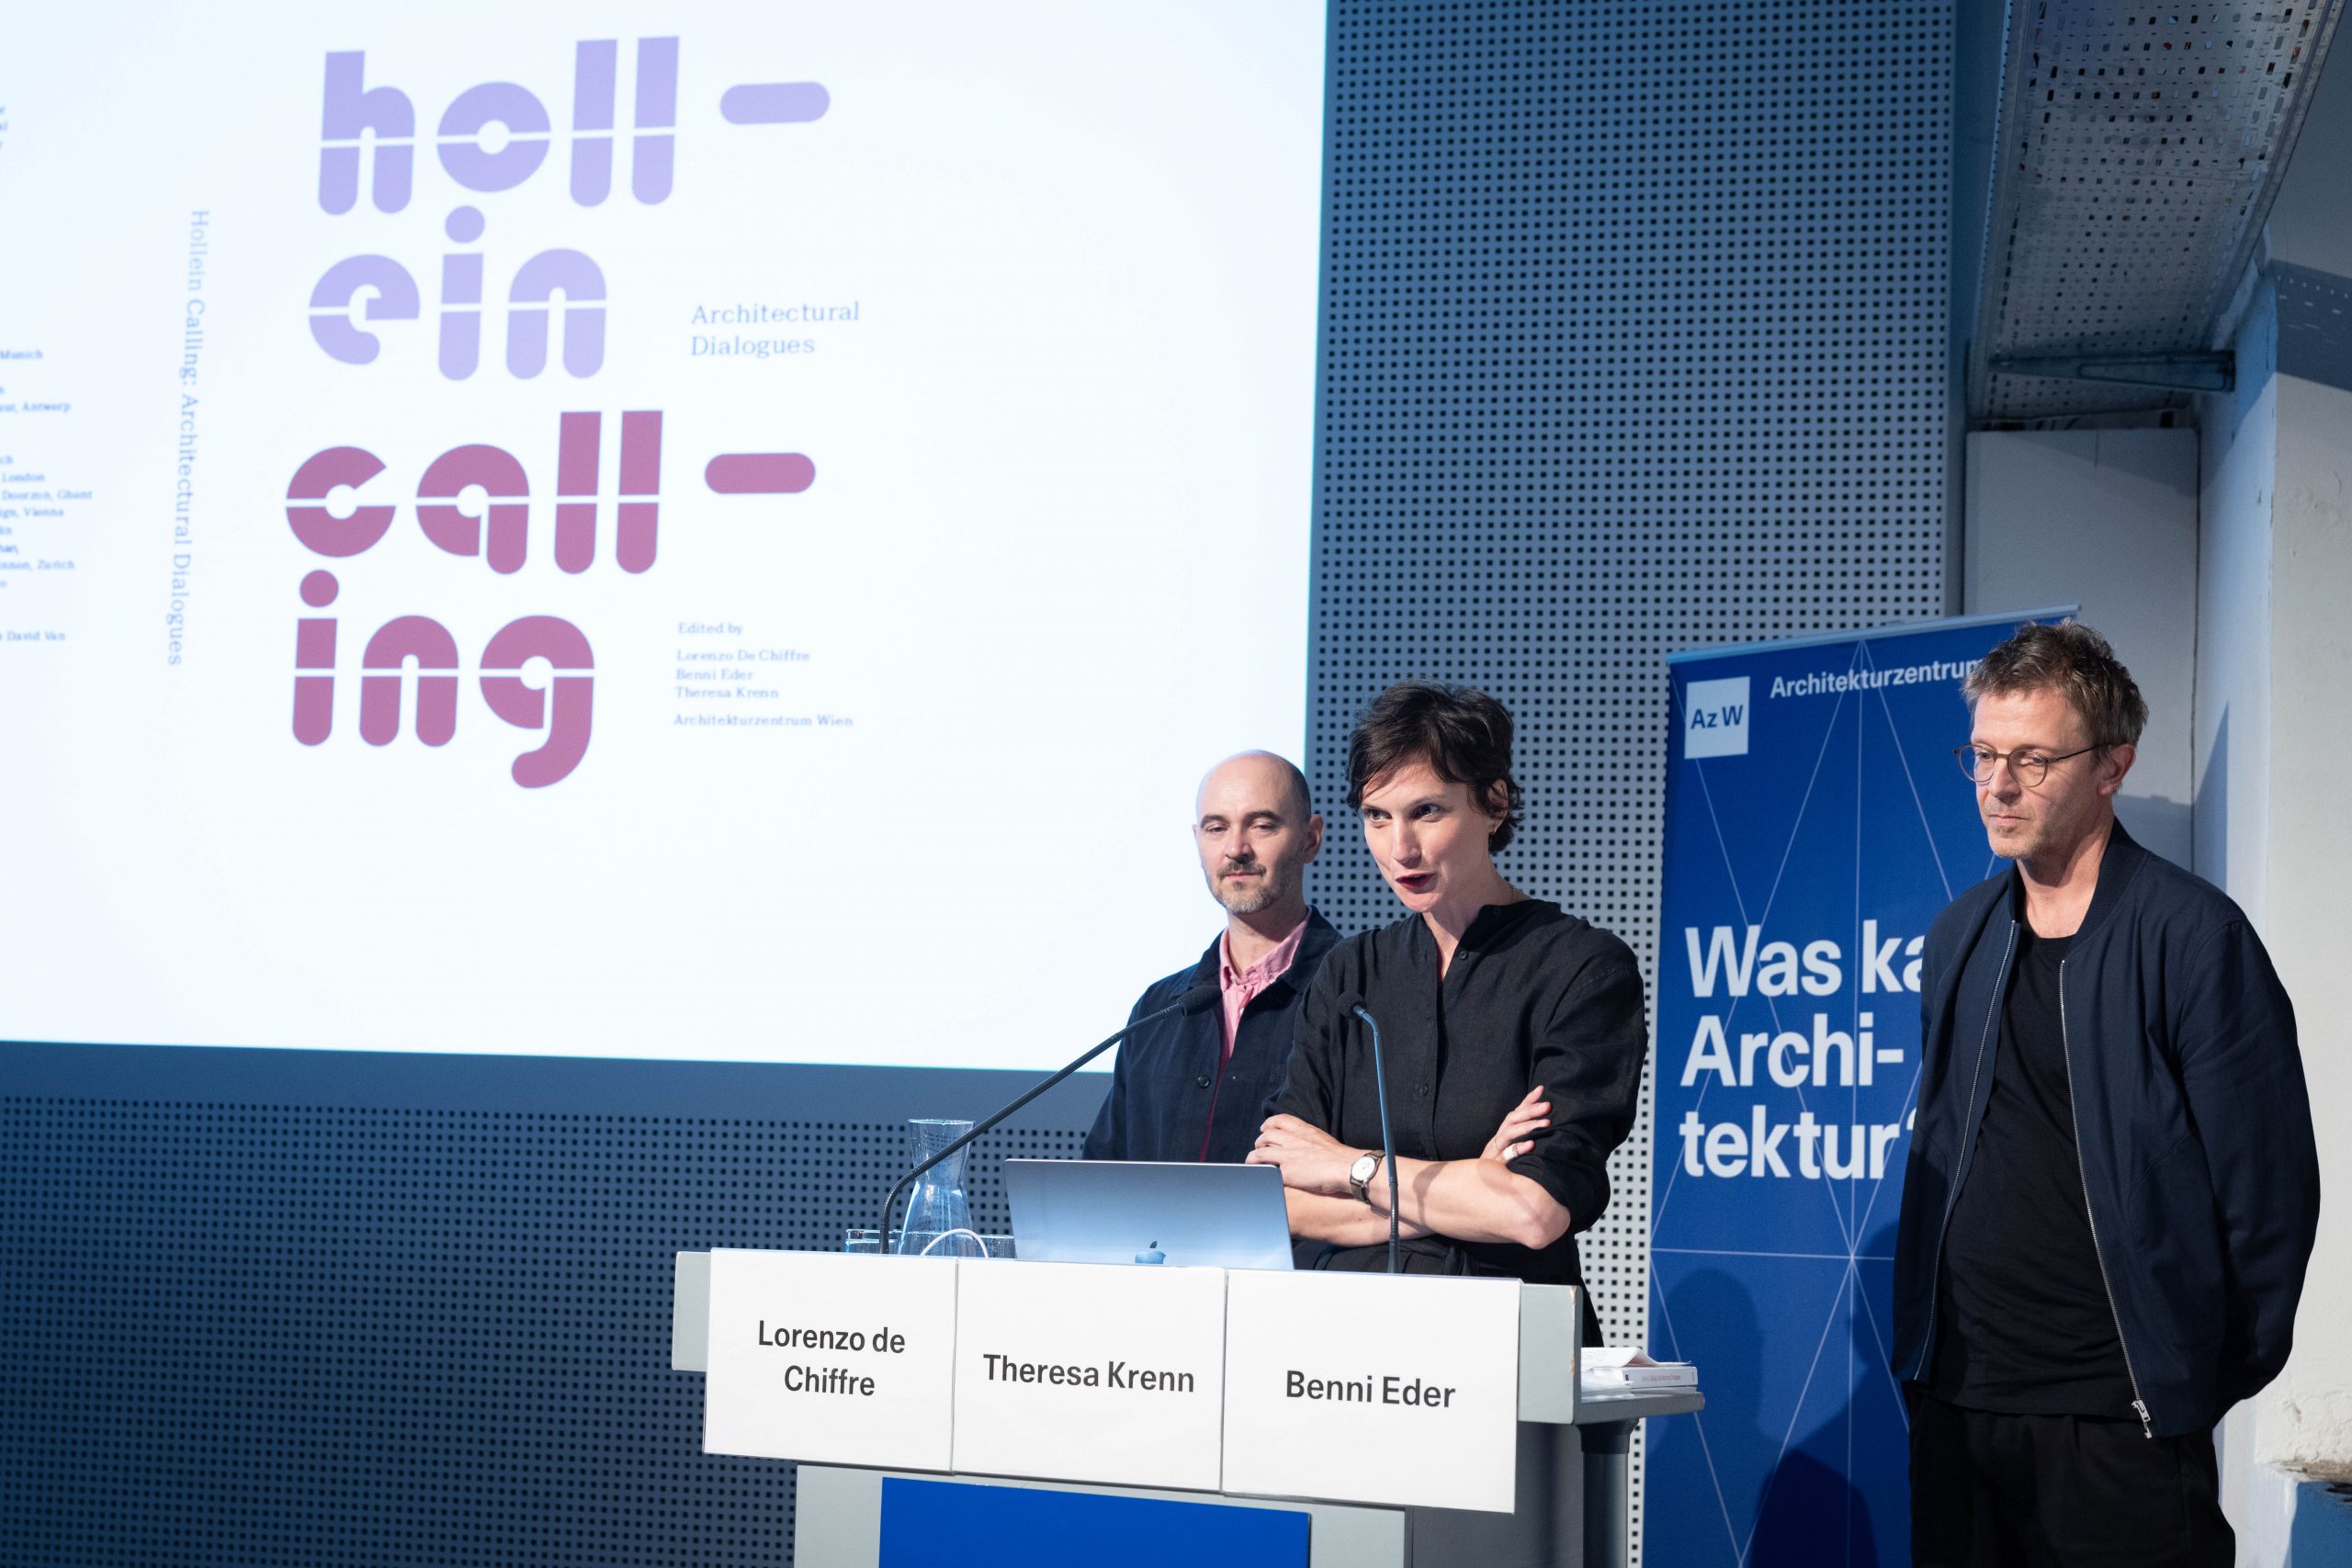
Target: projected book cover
653 532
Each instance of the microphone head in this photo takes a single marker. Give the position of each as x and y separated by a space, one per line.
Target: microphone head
1351 1004
1200 999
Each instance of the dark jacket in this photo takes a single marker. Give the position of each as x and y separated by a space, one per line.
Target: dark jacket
2191 1114
1166 1076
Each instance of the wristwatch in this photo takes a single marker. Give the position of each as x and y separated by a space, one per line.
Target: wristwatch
1360 1173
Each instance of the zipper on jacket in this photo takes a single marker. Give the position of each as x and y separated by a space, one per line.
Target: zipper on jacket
2066 1044
1959 1172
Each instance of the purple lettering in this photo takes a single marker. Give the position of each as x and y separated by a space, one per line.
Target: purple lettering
392 297
582 284
493 103
635 534
400 641
461 298
319 530
351 110
459 531
567 720
594 73
579 446
314 649
653 157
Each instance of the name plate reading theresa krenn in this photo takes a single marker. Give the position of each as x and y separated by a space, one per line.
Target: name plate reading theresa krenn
1368 1388
831 1358
1085 1372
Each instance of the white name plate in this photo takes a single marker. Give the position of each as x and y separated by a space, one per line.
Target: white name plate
831 1358
1372 1388
1083 1371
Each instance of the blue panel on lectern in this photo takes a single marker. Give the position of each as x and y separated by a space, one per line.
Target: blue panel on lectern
923 1522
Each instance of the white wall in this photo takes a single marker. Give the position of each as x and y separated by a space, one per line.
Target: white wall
2106 519
2306 1417
2219 564
2275 763
2232 755
2274 771
2304 1420
2231 818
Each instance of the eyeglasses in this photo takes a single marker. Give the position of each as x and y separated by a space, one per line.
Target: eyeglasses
2029 766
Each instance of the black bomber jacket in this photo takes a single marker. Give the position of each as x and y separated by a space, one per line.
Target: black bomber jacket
2191 1114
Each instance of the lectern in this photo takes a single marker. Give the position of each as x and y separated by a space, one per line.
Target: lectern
1352 1418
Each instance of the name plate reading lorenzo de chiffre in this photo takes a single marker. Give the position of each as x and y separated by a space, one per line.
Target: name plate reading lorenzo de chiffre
1368 1388
831 1358
1083 1371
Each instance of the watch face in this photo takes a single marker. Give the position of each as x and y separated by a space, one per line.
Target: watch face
1362 1169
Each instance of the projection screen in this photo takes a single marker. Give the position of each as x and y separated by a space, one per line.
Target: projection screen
713 531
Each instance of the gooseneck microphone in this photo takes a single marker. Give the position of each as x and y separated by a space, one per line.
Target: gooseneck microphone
1352 1003
1197 1000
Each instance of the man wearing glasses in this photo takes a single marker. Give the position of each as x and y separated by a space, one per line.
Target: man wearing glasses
2112 1187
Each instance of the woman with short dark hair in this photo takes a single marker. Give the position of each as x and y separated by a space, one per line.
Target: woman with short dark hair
1513 1032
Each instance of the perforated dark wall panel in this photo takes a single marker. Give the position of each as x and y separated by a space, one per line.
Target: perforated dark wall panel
305 1333
1633 340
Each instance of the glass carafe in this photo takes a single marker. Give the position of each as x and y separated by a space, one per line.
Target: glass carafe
939 1218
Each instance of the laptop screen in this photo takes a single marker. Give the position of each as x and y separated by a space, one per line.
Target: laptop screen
1226 1216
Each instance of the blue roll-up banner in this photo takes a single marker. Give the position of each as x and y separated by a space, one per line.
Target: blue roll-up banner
1815 823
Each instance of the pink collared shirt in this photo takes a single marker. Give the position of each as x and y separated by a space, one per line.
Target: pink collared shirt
1240 986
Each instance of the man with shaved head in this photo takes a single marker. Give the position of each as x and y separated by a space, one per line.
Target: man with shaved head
1194 1087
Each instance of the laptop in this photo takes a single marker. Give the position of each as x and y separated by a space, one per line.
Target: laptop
1101 1211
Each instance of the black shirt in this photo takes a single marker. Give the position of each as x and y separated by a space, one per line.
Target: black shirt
2025 1325
1533 995
1168 1087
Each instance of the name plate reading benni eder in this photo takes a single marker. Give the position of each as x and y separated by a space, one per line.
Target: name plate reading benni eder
831 1358
1368 1388
1083 1371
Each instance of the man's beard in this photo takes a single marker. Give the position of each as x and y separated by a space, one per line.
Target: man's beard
1249 900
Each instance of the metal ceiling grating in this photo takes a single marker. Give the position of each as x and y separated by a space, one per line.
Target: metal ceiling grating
2138 151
